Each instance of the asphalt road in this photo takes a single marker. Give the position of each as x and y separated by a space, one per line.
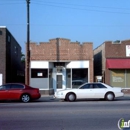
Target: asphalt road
50 114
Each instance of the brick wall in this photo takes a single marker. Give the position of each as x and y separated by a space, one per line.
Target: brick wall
2 52
116 50
61 49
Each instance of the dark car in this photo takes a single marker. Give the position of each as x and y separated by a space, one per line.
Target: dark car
18 91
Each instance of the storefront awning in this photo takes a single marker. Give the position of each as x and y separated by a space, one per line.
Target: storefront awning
118 63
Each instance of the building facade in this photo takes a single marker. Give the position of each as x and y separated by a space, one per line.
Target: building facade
11 69
112 63
55 64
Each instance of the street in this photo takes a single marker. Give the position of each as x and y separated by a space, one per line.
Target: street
51 114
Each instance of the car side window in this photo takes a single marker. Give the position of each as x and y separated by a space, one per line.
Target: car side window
87 86
17 86
4 87
99 86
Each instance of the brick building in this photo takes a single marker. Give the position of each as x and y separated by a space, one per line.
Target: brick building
55 64
11 69
112 63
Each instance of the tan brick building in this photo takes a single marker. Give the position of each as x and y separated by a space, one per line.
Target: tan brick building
112 63
55 64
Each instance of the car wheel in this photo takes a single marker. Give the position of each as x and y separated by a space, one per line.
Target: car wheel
71 97
25 98
109 97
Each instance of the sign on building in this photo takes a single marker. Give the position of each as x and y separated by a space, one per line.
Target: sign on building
128 50
0 79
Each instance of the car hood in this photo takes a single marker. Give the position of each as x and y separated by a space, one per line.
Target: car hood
67 89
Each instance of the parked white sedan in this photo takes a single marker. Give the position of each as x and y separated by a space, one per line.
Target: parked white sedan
90 90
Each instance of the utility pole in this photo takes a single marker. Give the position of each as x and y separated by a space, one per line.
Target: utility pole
27 78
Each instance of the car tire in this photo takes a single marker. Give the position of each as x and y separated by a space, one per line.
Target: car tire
25 98
109 96
71 97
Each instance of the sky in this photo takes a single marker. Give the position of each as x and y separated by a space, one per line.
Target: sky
93 21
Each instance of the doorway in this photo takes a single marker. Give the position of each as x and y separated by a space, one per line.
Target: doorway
59 81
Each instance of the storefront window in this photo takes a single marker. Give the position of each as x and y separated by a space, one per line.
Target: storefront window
79 76
118 78
39 73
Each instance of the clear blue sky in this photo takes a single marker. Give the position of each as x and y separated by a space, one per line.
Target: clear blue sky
78 20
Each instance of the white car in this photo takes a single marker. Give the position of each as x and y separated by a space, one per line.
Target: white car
90 90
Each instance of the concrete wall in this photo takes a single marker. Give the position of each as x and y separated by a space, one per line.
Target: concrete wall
41 83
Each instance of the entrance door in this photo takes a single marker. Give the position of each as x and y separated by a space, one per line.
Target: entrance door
59 81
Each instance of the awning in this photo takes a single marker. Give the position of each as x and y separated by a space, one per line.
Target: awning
118 63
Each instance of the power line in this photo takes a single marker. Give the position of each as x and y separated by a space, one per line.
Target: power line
103 11
81 5
68 6
68 25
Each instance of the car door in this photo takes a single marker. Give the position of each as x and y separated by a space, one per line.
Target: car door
4 92
85 91
99 90
16 91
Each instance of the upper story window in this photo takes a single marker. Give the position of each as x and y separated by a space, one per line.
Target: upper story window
15 49
9 38
0 32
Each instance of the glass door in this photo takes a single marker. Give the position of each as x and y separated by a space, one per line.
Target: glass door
59 81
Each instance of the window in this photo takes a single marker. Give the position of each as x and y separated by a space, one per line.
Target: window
4 87
87 86
9 38
98 86
17 86
39 73
80 74
15 49
68 78
0 32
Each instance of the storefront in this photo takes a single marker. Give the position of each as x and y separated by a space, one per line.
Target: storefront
58 75
119 72
55 67
112 63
